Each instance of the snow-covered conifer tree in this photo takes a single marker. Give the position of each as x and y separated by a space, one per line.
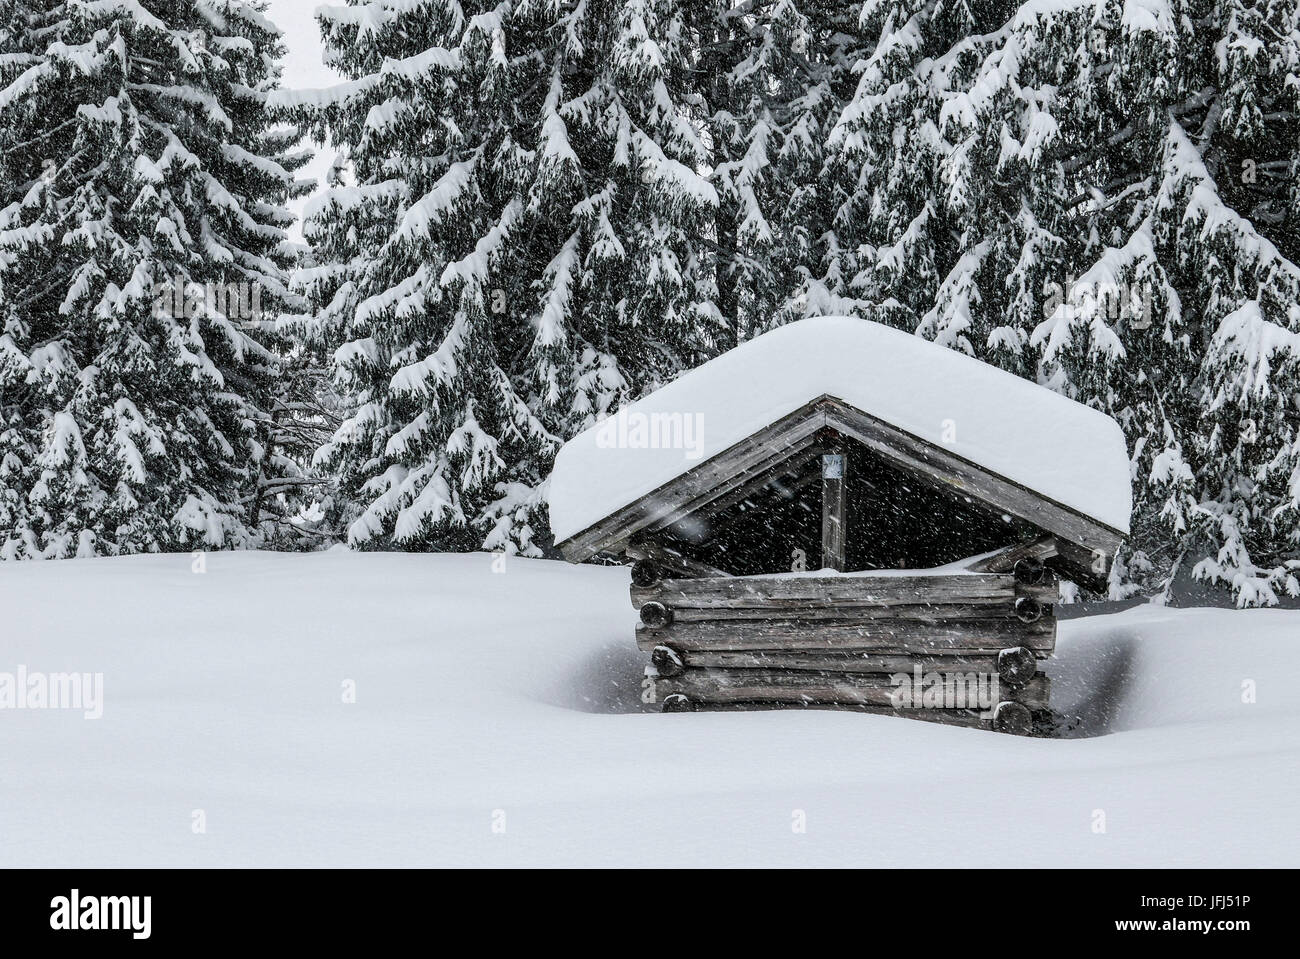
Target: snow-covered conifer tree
774 79
141 237
1102 195
510 247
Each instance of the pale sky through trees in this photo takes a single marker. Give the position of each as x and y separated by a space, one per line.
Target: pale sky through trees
303 68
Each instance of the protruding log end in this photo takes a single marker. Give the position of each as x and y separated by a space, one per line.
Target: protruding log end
1030 571
646 573
655 614
677 703
1017 666
1013 718
1028 609
666 661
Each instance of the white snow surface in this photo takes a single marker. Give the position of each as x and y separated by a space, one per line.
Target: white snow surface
1022 431
516 694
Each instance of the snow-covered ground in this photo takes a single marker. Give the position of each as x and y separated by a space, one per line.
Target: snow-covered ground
511 700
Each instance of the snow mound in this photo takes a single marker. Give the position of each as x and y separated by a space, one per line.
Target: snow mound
1151 667
1020 430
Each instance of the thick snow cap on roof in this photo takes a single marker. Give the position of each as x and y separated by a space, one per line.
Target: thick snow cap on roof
1025 433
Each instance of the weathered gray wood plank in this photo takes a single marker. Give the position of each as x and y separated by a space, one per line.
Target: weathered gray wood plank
845 613
751 473
834 510
775 594
868 689
848 661
944 717
1003 561
909 636
773 591
759 484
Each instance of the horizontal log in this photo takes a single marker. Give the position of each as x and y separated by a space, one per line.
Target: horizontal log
740 592
1013 717
848 615
645 573
848 661
656 615
945 717
901 635
666 661
866 689
1016 665
1030 610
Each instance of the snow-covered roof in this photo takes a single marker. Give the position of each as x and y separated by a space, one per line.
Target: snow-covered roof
1023 432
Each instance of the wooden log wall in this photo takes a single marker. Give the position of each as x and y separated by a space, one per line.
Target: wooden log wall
841 641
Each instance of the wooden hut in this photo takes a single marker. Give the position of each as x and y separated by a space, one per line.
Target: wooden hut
838 514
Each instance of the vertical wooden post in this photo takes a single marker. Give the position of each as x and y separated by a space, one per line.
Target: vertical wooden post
834 464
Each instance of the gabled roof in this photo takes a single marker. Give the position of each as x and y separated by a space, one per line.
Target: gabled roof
1011 443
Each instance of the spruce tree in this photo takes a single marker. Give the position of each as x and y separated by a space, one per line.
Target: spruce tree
22 25
509 249
1101 196
141 240
774 79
